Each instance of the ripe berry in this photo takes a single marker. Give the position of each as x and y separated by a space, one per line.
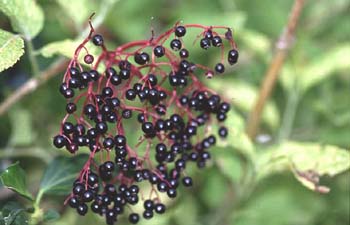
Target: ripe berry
130 94
71 108
147 127
159 208
159 51
59 141
82 209
94 75
134 218
183 53
88 196
97 39
232 56
208 34
73 202
216 41
176 44
141 58
187 181
205 43
220 68
180 31
147 214
148 204
223 132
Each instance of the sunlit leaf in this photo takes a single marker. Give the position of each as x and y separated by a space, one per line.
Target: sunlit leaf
60 174
11 49
237 138
308 162
14 178
67 48
26 16
243 96
319 69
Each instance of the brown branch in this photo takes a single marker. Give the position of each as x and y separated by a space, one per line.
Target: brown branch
282 47
32 84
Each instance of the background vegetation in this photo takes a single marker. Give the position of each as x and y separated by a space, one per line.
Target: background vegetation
279 178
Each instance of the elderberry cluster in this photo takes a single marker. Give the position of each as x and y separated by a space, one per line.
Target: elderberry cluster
153 87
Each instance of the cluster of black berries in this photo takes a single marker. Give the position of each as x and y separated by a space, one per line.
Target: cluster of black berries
157 92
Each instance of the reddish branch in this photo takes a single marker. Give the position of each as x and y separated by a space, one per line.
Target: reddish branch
282 47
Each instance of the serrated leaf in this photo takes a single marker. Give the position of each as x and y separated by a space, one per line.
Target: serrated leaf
308 162
243 97
13 214
60 174
26 16
14 178
11 49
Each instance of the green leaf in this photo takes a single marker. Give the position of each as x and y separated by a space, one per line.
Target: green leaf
86 8
319 69
26 16
14 178
308 162
14 214
237 138
60 175
51 215
67 48
11 49
244 96
227 162
23 133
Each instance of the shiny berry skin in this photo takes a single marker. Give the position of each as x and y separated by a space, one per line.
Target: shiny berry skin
82 209
130 94
97 39
187 181
73 202
147 127
232 56
180 31
141 58
147 214
159 51
148 204
183 53
205 43
223 132
134 218
71 107
219 68
216 41
59 141
160 208
175 44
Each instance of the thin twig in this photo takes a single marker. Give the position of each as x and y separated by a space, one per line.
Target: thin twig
32 84
282 47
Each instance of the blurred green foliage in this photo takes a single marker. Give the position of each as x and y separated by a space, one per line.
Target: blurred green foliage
305 128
